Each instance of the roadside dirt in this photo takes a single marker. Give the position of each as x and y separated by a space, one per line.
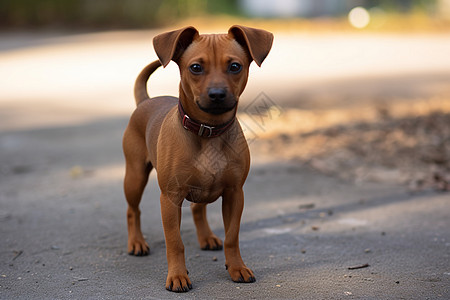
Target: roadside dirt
401 144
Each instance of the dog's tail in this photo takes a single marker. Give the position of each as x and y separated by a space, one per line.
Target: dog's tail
140 87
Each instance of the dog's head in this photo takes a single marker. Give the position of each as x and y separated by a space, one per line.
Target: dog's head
213 68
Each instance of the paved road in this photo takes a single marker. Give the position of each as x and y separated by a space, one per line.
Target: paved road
63 230
62 210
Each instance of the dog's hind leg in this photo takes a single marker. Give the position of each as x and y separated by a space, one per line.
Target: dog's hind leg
206 238
136 178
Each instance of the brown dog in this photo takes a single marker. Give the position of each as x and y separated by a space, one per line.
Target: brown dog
195 143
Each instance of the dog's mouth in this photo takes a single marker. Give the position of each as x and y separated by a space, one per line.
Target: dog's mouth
217 109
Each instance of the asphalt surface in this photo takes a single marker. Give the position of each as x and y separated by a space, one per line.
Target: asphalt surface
63 215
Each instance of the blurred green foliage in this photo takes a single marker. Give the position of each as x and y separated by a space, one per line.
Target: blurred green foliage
113 14
106 13
402 5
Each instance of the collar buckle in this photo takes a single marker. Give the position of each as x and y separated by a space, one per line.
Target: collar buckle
202 129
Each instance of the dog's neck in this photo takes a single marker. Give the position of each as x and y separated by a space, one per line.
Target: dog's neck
200 129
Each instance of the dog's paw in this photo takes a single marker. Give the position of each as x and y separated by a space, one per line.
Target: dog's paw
241 274
178 283
138 247
211 243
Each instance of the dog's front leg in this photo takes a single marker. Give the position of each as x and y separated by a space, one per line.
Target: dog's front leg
232 206
177 277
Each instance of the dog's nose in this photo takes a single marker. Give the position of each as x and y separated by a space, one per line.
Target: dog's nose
217 94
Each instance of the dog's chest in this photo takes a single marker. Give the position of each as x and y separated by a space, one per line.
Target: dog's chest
212 169
211 161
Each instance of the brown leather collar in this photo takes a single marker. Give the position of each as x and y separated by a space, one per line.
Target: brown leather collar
200 129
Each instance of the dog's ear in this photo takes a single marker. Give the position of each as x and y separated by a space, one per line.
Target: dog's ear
257 41
171 45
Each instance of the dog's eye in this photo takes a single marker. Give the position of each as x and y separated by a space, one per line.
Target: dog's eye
234 68
196 69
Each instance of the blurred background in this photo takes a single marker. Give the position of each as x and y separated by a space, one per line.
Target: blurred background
348 122
119 14
357 88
